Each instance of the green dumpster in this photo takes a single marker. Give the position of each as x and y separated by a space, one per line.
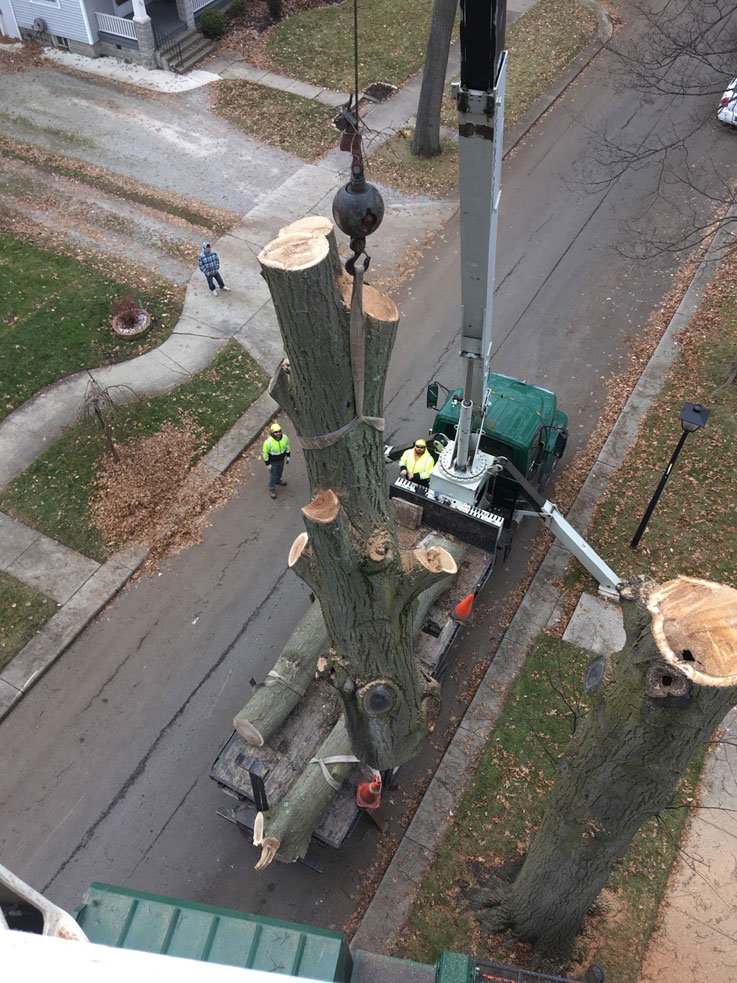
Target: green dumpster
125 919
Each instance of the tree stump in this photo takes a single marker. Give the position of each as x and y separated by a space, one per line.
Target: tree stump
656 702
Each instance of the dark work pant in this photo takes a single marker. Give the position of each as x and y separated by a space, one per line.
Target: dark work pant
214 276
276 469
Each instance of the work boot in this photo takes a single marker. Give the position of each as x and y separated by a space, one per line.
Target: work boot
281 482
273 494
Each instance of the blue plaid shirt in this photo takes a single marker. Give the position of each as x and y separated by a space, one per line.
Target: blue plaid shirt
209 262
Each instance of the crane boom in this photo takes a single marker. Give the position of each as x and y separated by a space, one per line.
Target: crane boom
480 99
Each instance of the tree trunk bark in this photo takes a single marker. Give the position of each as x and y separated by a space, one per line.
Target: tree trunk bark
284 832
426 139
332 387
656 702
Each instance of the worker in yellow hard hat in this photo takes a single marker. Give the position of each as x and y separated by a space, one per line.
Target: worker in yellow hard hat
416 463
275 452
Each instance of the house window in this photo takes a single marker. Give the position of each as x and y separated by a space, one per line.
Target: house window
61 42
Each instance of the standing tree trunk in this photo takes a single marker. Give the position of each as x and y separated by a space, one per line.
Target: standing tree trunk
426 139
332 388
656 702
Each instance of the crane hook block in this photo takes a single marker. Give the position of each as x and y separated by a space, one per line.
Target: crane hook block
358 207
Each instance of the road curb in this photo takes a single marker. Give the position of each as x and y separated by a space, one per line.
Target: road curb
392 904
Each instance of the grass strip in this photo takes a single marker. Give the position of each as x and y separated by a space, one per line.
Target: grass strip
541 43
218 222
693 528
282 119
53 494
506 802
68 136
22 612
56 315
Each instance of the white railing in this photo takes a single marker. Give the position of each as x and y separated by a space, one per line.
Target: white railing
116 25
199 4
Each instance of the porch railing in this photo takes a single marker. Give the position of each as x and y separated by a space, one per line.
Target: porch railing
111 24
169 45
199 4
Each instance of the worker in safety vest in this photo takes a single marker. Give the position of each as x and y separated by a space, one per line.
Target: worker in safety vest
275 452
417 463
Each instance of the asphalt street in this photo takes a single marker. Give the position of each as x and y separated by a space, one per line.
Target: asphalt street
105 761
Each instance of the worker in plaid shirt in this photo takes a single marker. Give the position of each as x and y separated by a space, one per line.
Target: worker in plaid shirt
210 265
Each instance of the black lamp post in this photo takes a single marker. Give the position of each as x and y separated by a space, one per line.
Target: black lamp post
693 417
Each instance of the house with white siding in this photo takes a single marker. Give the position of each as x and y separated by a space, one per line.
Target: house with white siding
157 34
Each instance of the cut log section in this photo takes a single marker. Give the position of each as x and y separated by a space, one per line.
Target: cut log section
284 832
287 682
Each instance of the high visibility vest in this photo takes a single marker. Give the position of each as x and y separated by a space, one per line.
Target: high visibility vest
274 450
421 465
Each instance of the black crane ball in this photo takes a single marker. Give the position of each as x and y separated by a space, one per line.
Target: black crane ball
358 208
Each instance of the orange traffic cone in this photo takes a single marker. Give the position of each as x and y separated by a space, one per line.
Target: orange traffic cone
463 611
368 794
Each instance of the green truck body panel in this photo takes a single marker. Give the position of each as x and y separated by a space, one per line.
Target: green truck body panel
519 416
126 919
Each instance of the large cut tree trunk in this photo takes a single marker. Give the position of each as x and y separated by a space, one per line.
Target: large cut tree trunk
426 139
332 385
284 831
294 670
656 702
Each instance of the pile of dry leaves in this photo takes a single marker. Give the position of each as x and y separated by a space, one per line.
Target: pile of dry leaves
153 498
19 59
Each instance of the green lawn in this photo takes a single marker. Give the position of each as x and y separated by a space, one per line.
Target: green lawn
317 46
693 529
55 319
392 42
53 494
22 612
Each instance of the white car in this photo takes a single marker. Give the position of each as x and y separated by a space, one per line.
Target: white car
727 112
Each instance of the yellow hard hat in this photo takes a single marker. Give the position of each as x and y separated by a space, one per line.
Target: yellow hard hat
275 428
420 443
